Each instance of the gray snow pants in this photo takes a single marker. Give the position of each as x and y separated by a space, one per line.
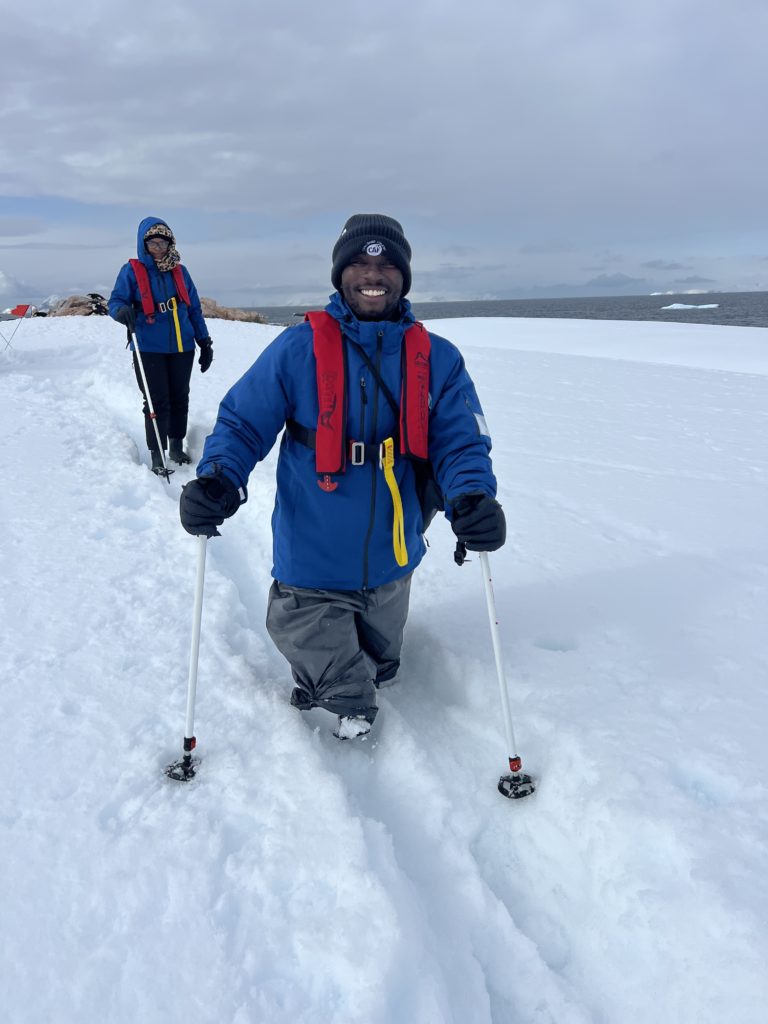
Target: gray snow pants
341 644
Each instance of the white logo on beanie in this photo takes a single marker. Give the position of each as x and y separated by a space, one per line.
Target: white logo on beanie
374 248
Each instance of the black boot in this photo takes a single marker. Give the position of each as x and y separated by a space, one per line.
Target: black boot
157 462
176 451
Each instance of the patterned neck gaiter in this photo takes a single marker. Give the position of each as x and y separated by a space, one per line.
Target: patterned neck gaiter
169 261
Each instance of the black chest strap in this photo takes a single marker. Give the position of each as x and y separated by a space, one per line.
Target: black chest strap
359 453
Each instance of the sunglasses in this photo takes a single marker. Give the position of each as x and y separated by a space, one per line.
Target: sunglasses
158 243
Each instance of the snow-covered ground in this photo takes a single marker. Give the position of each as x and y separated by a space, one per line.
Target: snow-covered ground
298 880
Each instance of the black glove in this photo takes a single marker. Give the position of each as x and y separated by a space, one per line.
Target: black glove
126 316
206 502
206 354
478 522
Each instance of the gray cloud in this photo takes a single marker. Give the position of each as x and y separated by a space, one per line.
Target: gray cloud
9 287
18 227
543 249
56 246
694 280
613 282
665 265
542 136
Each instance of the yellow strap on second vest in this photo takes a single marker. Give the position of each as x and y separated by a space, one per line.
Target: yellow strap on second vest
173 306
387 460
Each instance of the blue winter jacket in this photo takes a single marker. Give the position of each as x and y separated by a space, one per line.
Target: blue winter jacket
342 539
159 336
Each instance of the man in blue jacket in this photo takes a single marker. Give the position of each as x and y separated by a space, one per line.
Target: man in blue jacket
156 300
368 400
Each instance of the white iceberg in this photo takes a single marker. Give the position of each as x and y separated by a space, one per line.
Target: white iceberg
682 305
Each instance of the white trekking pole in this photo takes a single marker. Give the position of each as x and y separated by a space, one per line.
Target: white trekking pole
166 472
513 785
184 769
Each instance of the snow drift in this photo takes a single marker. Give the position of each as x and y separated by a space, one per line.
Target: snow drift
302 880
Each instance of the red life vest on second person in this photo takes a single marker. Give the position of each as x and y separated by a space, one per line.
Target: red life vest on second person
145 290
330 439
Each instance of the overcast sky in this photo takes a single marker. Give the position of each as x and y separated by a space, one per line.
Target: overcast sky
529 149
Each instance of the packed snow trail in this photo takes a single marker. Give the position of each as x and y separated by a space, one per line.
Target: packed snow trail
300 879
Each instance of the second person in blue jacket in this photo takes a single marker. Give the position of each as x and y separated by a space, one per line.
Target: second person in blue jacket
347 538
156 299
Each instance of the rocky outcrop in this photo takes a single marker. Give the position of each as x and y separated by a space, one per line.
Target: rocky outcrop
213 311
80 305
88 305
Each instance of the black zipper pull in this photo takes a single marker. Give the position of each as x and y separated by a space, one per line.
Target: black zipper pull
363 403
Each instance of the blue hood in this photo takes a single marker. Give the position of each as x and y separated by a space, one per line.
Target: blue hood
144 227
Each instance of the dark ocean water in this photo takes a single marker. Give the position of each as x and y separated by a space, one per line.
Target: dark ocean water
739 309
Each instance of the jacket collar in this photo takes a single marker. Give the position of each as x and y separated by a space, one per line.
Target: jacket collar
365 332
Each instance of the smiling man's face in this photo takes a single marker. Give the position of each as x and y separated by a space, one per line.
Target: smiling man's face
371 286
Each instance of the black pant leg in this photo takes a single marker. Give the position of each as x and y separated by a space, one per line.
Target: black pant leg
179 369
156 372
315 631
380 627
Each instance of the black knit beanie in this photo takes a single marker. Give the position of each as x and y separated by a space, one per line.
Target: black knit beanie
375 234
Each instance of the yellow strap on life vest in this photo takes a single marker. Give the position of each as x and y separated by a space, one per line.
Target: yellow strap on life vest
173 306
387 460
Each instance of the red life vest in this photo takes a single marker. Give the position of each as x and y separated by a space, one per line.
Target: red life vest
145 290
330 441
